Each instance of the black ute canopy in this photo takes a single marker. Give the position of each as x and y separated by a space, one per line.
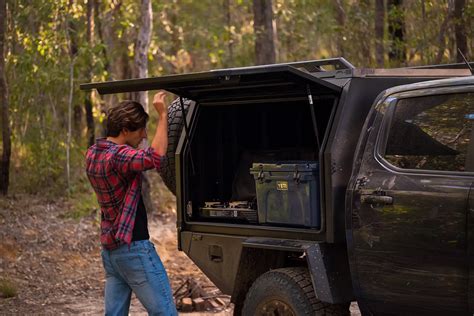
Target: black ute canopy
258 84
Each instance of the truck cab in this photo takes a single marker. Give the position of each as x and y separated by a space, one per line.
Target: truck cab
304 186
409 201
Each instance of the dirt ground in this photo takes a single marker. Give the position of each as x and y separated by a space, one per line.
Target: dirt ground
53 260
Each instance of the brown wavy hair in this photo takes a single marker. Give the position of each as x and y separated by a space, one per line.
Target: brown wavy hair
128 115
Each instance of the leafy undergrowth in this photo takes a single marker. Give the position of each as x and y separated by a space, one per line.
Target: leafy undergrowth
83 204
7 288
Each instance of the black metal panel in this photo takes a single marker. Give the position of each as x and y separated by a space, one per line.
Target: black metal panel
329 269
254 230
166 82
208 80
410 255
470 249
355 103
257 83
217 256
277 244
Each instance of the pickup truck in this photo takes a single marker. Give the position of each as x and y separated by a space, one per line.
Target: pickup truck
305 186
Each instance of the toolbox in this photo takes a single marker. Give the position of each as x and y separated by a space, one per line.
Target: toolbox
287 193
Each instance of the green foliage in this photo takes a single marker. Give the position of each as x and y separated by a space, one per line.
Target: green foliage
82 200
37 69
83 204
303 29
7 288
187 36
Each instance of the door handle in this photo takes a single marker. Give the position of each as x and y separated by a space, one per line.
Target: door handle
215 258
376 199
215 253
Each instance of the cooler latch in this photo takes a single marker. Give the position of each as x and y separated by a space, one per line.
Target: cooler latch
261 174
296 175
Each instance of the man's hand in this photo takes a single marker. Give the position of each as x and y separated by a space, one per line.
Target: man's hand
159 103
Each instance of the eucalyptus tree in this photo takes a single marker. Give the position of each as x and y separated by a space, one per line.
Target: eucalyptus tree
6 141
379 32
263 28
396 31
460 28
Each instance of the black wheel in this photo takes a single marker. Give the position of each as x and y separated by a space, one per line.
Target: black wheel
287 291
175 126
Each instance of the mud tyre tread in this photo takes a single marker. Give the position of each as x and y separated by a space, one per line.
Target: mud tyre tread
175 127
294 287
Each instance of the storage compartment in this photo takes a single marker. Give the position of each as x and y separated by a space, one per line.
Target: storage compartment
227 140
288 193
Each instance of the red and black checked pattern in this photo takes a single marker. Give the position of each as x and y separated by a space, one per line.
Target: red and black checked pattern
115 173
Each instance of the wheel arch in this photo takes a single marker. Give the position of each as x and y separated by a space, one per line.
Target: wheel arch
254 262
327 265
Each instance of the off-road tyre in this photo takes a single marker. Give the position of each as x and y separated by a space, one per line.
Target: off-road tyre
175 127
287 291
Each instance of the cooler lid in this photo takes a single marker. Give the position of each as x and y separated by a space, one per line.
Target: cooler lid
232 86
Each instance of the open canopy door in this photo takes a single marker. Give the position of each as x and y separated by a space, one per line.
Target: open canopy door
231 86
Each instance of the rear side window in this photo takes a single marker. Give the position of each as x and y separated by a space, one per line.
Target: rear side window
433 133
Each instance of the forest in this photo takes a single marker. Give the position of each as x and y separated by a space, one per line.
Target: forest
51 47
48 211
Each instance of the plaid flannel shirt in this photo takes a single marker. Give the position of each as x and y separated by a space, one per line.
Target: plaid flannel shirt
115 172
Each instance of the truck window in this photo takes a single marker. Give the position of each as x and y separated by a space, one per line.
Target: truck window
432 133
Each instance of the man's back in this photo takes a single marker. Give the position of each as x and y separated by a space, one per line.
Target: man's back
115 174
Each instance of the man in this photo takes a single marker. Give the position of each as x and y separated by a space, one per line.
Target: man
114 168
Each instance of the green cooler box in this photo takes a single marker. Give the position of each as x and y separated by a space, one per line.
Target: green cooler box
288 193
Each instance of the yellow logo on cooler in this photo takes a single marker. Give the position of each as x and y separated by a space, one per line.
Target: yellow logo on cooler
282 185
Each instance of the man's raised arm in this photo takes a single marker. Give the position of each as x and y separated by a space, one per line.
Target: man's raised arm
160 140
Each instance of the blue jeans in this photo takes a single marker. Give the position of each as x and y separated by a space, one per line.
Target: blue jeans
138 269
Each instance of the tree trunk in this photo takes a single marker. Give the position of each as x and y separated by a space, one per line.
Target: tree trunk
379 32
341 21
442 35
88 98
364 8
69 123
263 28
6 136
230 40
423 32
460 30
176 40
142 45
396 20
71 35
106 35
100 32
77 122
